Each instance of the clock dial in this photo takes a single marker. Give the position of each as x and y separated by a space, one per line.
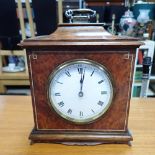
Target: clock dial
80 90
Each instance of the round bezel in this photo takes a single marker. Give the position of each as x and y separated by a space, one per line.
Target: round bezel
79 61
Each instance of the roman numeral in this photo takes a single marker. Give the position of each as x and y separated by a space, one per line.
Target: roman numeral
69 111
103 92
61 104
68 73
100 81
80 70
81 113
57 94
59 82
92 73
100 103
92 110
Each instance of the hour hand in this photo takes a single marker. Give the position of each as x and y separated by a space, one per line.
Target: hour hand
82 75
82 72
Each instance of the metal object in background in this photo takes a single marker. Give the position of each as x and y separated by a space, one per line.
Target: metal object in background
80 15
112 28
146 75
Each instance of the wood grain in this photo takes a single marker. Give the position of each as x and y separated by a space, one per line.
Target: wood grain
17 121
114 119
77 36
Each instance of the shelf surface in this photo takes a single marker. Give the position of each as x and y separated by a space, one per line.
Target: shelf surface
152 77
19 75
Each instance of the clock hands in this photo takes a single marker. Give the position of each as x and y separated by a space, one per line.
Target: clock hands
82 76
81 82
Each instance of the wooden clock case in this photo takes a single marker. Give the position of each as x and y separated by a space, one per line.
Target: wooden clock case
70 42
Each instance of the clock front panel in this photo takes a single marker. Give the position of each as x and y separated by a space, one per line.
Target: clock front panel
53 112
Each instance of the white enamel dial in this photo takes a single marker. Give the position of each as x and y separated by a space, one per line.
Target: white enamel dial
80 90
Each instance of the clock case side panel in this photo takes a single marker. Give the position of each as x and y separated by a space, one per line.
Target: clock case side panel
133 52
29 55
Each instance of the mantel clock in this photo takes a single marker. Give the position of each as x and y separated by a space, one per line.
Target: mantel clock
81 79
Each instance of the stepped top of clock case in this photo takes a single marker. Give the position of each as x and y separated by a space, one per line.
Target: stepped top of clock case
80 35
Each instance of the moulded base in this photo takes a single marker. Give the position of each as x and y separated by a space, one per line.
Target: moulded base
80 137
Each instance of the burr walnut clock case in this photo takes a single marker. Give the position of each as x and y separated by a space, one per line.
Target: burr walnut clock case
81 79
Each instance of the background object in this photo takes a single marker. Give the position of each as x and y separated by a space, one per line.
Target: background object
144 6
128 23
118 10
45 16
105 2
143 16
9 22
146 75
9 26
80 15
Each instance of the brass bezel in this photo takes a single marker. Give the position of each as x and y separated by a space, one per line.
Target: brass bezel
77 61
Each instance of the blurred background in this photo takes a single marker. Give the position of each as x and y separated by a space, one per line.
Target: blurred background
21 19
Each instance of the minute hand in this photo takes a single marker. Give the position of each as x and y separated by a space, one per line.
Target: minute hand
82 79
